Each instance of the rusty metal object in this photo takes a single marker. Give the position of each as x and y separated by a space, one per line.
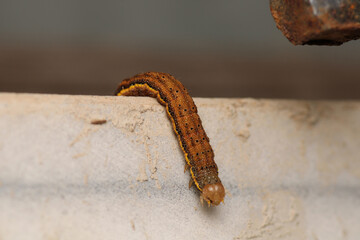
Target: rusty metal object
317 22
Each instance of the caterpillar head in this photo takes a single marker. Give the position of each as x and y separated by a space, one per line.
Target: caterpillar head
213 194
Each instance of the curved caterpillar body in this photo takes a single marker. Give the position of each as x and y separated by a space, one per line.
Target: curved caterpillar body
187 125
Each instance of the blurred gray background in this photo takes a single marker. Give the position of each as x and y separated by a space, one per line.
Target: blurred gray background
216 48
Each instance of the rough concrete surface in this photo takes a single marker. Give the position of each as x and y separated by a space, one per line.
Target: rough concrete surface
291 169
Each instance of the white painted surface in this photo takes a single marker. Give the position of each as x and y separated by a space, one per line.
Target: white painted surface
291 169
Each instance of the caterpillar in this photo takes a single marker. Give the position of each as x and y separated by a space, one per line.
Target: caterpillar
187 125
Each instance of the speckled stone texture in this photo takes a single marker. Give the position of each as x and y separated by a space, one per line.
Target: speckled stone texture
86 167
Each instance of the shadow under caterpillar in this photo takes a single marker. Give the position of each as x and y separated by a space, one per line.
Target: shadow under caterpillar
187 125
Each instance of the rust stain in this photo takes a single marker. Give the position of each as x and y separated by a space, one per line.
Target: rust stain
98 121
317 22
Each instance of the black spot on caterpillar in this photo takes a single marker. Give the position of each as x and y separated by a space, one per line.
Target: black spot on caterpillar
187 125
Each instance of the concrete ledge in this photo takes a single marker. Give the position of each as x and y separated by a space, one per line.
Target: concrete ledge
291 169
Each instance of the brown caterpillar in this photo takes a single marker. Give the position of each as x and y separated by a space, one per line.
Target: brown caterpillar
187 125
